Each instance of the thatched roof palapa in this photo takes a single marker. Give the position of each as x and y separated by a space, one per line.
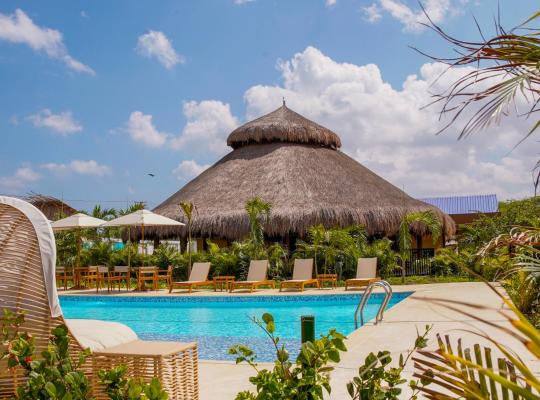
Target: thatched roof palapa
52 207
294 164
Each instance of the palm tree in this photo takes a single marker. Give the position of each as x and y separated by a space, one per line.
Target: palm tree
506 66
188 208
426 218
317 234
103 213
256 209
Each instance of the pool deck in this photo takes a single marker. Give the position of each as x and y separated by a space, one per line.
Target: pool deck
222 379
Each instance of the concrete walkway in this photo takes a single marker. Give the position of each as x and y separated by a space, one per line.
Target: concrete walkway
223 380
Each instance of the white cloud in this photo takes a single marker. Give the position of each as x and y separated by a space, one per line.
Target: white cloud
373 12
330 3
62 123
240 2
22 177
156 44
81 167
209 122
84 14
412 19
141 129
188 169
19 28
388 130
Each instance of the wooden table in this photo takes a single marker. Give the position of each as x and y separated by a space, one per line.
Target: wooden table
223 280
332 278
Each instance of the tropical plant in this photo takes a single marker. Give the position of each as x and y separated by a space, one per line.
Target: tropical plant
118 387
306 379
258 212
55 375
188 208
426 218
453 373
377 379
506 66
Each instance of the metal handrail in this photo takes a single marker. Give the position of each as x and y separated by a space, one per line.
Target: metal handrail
367 294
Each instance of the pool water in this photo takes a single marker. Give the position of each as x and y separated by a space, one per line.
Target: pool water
217 323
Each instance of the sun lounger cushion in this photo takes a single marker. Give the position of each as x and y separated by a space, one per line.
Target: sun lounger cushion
303 270
98 335
199 272
366 268
257 270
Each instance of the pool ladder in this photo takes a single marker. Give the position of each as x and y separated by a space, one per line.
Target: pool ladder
367 294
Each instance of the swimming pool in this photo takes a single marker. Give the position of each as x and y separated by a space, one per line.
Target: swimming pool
219 322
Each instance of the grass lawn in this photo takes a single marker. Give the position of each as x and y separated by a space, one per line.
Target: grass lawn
416 280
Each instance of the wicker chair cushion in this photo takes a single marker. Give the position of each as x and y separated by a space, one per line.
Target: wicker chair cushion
98 335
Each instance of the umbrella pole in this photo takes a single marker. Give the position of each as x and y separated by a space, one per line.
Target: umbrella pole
144 247
129 247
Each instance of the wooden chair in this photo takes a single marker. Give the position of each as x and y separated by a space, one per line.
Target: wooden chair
28 285
64 275
147 274
96 274
366 273
165 276
198 277
257 276
119 274
302 275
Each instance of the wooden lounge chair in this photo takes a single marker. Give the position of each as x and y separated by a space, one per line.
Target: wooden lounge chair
257 276
366 273
27 246
198 277
302 275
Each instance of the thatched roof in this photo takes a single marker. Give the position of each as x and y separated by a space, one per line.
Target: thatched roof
283 125
305 182
52 207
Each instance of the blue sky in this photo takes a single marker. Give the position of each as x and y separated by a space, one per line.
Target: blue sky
97 94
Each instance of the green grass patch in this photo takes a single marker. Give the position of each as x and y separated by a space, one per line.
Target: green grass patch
419 280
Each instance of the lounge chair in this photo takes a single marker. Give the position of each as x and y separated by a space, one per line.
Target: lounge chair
197 277
302 275
366 273
27 284
257 276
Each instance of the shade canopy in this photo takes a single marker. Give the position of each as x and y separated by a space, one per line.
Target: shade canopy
142 218
78 220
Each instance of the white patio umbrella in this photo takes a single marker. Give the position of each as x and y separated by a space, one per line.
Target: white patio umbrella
142 218
77 221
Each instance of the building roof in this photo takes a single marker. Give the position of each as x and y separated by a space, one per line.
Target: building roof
305 178
283 125
485 203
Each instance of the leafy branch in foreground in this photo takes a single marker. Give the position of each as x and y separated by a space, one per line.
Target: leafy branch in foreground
306 379
505 65
378 380
457 374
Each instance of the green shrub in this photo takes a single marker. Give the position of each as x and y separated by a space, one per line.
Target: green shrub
306 379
